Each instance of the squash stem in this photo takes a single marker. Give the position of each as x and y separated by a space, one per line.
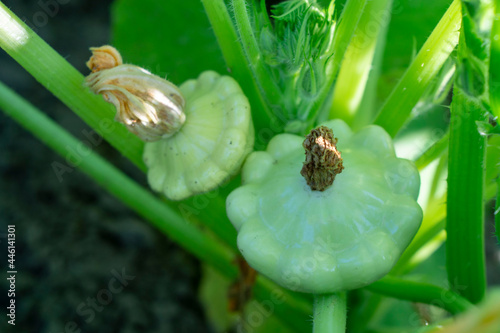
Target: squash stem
330 313
253 53
234 55
465 261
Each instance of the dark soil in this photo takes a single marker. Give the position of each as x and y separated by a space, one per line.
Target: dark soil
72 238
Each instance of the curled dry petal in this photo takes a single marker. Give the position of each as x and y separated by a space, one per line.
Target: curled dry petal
104 57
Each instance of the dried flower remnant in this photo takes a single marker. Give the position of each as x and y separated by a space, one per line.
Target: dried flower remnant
323 160
149 106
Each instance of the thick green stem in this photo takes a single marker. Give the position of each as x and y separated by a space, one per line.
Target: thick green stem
421 293
429 60
117 183
234 55
66 83
465 261
356 67
330 313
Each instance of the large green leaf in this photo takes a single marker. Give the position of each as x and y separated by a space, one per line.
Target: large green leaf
169 38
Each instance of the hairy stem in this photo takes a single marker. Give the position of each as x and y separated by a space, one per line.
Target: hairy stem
465 261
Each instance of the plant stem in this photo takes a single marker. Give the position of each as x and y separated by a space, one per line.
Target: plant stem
353 75
465 257
433 152
234 55
465 261
268 86
429 60
421 248
348 22
421 293
66 83
118 184
330 313
494 69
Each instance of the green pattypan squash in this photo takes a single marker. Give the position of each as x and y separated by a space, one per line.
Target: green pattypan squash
339 238
210 146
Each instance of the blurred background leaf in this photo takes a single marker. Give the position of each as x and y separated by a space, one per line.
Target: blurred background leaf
169 38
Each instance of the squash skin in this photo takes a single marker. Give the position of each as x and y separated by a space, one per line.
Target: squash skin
212 144
344 238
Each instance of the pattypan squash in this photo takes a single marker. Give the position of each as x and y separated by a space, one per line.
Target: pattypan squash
210 146
311 235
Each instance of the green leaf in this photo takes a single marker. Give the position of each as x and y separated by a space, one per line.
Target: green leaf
485 128
422 71
170 38
411 24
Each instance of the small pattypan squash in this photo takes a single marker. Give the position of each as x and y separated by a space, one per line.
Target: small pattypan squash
330 238
210 146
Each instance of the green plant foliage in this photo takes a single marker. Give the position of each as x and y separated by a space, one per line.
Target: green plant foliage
411 24
287 56
166 37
